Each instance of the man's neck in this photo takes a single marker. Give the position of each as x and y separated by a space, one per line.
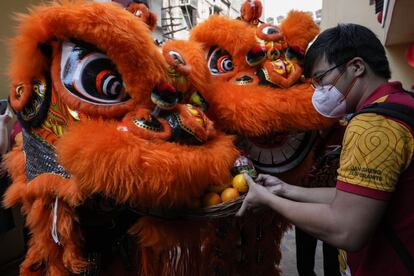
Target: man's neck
370 87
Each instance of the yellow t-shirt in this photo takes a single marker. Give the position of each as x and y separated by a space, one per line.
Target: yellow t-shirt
375 150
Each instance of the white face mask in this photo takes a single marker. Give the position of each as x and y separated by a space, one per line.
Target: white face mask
329 102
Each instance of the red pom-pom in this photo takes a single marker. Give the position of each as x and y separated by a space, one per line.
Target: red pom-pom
379 17
258 49
410 55
166 87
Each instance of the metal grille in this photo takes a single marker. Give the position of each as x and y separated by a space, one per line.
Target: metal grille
40 157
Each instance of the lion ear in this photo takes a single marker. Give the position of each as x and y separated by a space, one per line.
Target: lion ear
152 21
30 91
31 101
20 94
132 7
299 29
251 10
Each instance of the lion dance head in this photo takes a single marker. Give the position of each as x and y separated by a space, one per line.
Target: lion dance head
104 132
255 87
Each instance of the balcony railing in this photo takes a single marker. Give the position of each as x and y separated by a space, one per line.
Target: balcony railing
192 3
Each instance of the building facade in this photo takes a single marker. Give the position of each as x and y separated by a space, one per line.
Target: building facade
178 17
395 28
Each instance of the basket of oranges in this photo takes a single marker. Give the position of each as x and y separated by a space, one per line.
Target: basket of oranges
218 201
221 201
225 200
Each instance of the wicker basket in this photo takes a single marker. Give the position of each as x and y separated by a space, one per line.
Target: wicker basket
221 210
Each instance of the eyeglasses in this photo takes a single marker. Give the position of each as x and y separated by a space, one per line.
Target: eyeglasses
316 82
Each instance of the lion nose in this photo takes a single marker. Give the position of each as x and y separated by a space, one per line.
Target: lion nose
244 78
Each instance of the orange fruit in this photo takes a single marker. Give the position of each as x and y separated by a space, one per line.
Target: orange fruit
240 184
210 199
229 194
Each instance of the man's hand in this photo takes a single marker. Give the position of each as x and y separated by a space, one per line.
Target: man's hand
256 196
272 184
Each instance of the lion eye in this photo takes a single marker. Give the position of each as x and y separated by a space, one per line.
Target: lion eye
90 75
220 61
177 57
256 55
270 30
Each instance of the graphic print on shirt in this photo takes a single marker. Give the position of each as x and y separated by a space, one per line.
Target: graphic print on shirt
375 151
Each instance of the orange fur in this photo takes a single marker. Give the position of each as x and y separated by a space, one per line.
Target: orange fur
103 152
250 109
251 11
177 244
158 233
294 26
36 198
105 155
14 163
152 173
49 186
143 13
195 74
264 112
61 259
253 110
92 23
234 36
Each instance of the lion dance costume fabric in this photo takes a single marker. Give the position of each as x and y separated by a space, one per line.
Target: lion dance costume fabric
112 152
255 90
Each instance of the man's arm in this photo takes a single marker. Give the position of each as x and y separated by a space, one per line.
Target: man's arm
347 222
368 166
309 195
296 193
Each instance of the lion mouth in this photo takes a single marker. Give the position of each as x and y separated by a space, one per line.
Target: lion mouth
264 79
278 152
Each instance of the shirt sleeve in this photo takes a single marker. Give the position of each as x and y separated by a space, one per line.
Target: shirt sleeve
376 150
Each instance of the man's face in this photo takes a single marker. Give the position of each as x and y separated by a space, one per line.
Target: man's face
325 73
342 77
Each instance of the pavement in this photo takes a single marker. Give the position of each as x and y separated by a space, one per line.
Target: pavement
288 262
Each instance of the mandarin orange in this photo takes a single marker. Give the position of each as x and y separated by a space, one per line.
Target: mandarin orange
210 199
240 184
229 194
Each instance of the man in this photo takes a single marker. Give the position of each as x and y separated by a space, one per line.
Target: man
374 190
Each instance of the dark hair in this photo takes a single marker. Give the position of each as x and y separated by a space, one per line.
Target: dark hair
344 42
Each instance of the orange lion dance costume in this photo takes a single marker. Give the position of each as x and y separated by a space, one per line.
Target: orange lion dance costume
254 89
113 156
104 134
142 11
